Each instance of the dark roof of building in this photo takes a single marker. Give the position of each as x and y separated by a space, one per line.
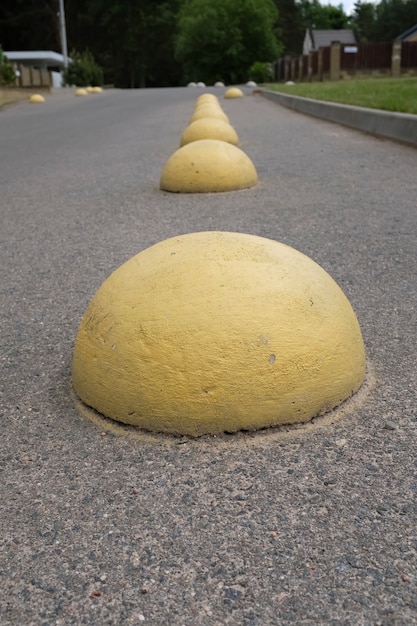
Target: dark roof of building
323 38
407 33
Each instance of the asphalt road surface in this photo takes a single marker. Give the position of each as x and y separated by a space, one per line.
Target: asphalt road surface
311 526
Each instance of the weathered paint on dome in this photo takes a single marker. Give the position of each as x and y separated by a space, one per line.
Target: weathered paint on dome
216 331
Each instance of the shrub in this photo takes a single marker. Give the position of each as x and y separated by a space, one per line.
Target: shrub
82 70
261 72
7 73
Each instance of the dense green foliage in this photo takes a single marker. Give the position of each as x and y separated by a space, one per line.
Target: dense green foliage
221 39
322 17
168 42
7 73
383 21
261 72
134 40
83 70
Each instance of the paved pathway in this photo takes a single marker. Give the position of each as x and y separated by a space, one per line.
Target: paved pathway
316 526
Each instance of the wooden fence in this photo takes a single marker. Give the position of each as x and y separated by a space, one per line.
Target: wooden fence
409 55
32 77
370 56
341 61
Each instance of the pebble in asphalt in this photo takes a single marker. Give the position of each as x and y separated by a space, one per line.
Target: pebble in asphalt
315 526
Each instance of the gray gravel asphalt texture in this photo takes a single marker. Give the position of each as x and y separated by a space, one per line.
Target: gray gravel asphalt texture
309 526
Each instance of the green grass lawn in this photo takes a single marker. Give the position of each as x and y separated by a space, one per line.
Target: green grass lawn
389 94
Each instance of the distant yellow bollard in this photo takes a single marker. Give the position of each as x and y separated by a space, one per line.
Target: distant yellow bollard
234 92
81 92
215 331
209 110
209 128
207 98
36 98
208 165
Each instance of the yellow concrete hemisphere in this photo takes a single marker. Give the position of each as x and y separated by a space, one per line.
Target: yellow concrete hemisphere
216 331
233 92
208 165
209 128
97 90
36 98
81 92
207 97
209 110
207 104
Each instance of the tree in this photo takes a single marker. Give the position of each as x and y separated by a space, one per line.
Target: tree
383 21
221 39
364 20
290 26
29 25
322 17
393 17
135 39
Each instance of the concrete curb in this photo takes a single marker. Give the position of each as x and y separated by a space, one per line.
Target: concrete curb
397 126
